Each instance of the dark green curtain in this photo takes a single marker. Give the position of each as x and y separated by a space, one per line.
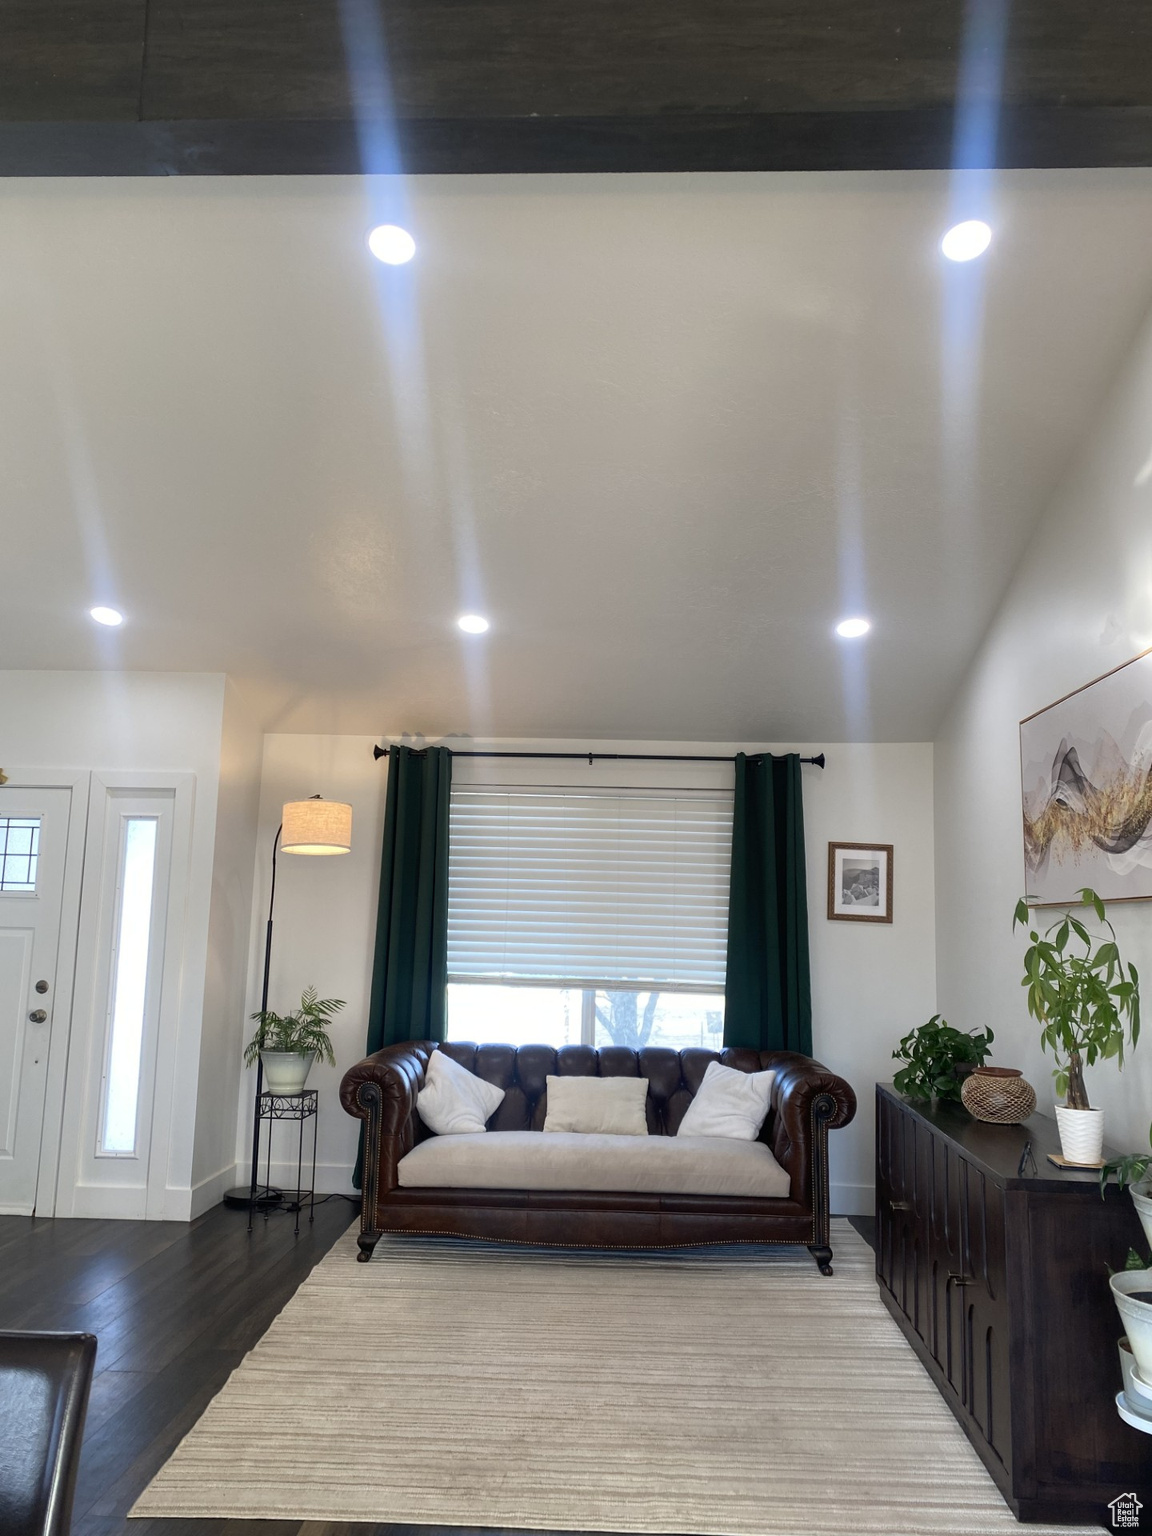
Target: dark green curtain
410 973
768 987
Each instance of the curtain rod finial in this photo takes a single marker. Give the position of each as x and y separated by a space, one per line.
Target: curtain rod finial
379 752
818 760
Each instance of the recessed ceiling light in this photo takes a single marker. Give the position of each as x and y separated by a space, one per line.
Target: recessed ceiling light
472 623
109 616
964 242
390 243
852 629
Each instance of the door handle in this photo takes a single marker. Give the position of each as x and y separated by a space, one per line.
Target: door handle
38 1016
960 1280
900 1205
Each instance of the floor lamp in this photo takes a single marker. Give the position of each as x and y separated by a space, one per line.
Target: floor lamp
317 827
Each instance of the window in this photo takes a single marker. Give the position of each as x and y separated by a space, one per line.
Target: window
676 1019
19 853
133 929
584 915
515 1015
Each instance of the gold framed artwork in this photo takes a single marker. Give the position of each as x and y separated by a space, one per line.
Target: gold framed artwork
860 882
1086 790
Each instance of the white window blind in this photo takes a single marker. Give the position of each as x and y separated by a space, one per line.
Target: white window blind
600 888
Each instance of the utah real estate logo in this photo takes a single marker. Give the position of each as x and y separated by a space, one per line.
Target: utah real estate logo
1125 1510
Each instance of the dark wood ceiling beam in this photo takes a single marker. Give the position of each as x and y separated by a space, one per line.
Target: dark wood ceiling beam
219 87
794 141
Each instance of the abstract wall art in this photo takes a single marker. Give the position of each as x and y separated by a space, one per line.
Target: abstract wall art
1086 784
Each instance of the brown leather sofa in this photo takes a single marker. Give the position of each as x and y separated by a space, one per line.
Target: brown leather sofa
807 1102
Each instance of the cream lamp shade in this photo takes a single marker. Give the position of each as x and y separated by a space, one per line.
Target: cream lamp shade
316 826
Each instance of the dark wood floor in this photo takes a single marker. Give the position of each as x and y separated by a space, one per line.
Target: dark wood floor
866 1226
175 1308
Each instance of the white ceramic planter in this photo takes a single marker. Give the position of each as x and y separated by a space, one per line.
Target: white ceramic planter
1127 1365
1142 1200
286 1071
1135 1315
1081 1133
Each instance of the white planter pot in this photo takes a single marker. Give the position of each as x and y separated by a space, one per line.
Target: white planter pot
1081 1134
1142 1200
1135 1315
286 1071
1127 1365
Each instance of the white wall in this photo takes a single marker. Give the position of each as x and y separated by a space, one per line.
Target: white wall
1080 603
138 722
324 931
229 941
871 982
116 720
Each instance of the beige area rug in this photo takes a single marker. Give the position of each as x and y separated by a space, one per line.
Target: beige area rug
735 1392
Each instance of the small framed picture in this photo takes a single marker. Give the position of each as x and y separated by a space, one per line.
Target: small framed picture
860 882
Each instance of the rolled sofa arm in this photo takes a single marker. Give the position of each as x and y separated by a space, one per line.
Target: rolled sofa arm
809 1101
381 1090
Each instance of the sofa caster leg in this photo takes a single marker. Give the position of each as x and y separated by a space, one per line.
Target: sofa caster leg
823 1256
366 1241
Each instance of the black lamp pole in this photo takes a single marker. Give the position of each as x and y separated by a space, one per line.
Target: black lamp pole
269 1195
252 1194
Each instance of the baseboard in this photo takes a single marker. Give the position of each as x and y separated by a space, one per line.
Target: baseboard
210 1191
853 1199
331 1178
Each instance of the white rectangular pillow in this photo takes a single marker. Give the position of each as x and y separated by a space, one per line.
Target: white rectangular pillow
608 1106
454 1101
729 1103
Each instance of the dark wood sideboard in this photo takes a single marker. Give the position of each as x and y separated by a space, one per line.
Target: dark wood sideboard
999 1280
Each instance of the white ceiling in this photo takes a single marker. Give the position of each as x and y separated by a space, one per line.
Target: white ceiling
663 430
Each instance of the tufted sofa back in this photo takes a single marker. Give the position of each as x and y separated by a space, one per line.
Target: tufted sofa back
673 1078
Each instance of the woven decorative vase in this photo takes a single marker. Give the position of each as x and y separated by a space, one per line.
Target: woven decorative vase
999 1095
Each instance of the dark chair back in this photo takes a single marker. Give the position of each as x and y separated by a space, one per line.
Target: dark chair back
44 1383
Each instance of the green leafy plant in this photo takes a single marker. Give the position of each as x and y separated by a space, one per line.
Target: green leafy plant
1129 1169
932 1052
302 1031
1087 1003
1133 1261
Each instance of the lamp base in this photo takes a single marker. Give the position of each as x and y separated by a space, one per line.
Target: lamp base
267 1198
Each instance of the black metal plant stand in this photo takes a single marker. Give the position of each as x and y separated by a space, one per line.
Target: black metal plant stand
287 1106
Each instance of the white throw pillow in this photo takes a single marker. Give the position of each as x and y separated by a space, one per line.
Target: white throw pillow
729 1103
454 1101
608 1106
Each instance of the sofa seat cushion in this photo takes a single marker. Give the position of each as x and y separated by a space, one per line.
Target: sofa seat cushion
569 1160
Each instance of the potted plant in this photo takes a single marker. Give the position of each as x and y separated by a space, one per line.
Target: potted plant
1088 1004
288 1043
1132 1293
1131 1173
933 1052
1132 1297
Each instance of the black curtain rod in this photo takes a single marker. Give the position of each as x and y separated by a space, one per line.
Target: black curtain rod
611 757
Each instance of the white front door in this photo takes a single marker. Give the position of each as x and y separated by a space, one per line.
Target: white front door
33 843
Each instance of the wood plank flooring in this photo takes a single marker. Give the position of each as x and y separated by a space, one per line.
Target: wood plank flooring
175 1308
